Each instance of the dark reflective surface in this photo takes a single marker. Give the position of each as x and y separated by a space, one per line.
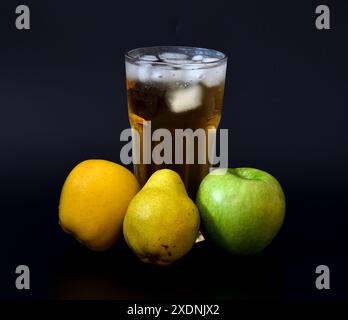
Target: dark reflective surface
202 274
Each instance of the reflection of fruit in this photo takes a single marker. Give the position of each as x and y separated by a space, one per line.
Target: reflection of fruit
242 209
94 201
161 222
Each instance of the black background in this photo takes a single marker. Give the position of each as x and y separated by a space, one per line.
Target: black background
63 100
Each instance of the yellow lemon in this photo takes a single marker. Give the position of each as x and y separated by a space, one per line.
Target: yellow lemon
94 200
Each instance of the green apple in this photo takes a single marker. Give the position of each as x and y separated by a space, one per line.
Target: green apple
242 209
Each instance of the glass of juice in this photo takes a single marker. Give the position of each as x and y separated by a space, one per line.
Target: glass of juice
179 89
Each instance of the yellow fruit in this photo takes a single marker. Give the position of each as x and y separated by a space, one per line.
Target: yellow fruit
94 200
161 222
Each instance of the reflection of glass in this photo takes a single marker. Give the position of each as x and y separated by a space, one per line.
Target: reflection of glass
175 88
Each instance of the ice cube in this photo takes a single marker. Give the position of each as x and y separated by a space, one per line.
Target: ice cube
159 74
172 56
207 60
193 75
162 73
214 76
197 58
156 75
187 74
184 99
149 57
180 63
131 71
144 72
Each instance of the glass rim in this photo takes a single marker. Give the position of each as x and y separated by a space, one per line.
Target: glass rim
134 56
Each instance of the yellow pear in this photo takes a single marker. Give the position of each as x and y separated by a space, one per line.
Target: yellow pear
161 222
